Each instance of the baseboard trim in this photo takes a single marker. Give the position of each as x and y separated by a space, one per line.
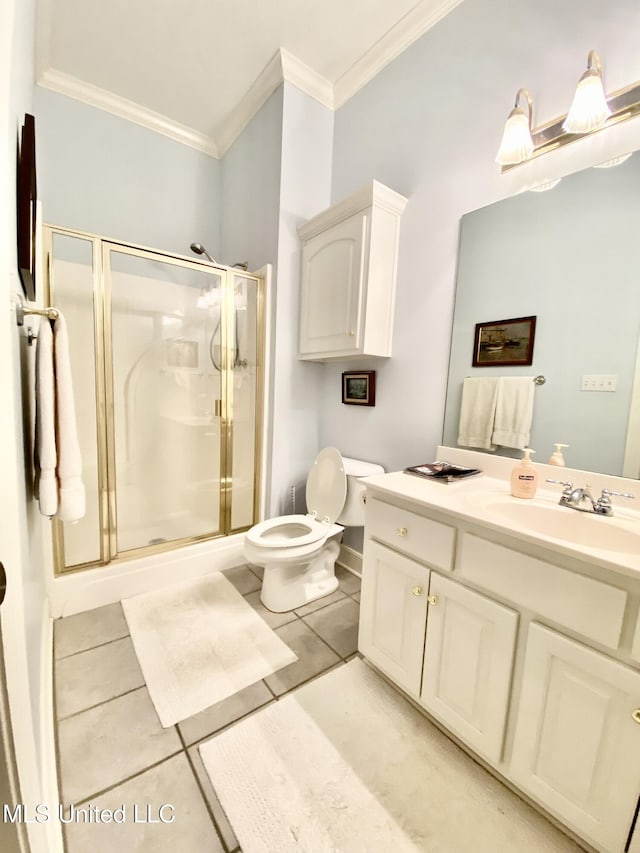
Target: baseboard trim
48 752
85 590
350 559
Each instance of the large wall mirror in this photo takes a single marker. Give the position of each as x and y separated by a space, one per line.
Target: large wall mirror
569 256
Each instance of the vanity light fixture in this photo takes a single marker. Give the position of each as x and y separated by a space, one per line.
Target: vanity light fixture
590 111
517 144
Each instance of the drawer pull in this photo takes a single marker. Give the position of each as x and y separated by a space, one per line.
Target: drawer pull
352 334
432 599
636 716
417 590
402 531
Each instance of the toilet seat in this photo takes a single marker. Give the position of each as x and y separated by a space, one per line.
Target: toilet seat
286 531
325 495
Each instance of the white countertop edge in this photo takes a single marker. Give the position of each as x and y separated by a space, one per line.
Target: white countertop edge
450 498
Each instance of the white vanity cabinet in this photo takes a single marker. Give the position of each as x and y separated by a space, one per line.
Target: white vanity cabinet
349 261
577 746
527 656
393 615
468 660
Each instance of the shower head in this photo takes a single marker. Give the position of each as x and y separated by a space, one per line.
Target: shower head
199 249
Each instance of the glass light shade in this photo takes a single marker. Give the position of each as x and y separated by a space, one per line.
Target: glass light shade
589 109
547 185
517 144
615 161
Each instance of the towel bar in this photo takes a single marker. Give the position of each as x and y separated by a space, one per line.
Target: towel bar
21 310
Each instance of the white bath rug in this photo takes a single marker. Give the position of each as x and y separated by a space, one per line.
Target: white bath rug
198 643
346 765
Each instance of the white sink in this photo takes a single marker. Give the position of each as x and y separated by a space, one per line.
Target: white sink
576 528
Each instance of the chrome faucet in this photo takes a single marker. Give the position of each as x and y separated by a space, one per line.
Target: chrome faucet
582 499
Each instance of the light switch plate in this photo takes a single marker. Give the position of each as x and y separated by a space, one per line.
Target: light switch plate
599 382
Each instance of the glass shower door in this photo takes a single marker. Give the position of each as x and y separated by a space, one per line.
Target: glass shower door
168 346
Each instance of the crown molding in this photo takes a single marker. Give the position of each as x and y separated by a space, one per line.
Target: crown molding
283 66
396 40
296 72
65 84
255 97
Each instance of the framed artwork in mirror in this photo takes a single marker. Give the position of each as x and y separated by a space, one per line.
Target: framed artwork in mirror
359 387
504 342
26 194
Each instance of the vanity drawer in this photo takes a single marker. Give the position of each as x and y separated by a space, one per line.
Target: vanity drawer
589 607
429 541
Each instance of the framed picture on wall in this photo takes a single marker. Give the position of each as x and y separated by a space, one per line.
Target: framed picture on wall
26 196
504 342
359 388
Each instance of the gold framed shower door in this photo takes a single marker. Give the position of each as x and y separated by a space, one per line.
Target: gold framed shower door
237 484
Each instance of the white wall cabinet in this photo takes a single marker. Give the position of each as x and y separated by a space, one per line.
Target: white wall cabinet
555 716
393 615
349 262
577 746
467 664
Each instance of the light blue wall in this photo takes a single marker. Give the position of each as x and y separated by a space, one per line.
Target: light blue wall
429 126
102 174
307 135
250 189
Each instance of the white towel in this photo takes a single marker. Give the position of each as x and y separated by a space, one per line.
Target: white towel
514 411
44 457
477 412
71 495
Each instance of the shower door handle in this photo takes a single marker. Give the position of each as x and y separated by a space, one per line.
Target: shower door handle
217 409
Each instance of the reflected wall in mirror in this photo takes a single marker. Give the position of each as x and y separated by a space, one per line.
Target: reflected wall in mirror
570 257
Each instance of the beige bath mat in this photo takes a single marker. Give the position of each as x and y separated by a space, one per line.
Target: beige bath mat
198 643
346 765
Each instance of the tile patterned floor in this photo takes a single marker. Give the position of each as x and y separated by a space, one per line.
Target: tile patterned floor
113 753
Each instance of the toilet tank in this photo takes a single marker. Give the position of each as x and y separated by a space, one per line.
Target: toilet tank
352 514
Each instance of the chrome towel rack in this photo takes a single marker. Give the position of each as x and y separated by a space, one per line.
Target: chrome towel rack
22 310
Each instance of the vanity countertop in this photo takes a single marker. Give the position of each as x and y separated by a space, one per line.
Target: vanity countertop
609 542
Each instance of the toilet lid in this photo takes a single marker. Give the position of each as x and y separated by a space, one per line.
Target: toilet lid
327 485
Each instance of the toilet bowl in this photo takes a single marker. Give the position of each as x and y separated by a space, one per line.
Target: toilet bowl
299 552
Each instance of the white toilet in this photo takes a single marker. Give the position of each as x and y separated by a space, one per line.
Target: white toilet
299 552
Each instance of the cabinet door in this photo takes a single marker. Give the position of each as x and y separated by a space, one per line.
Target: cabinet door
467 664
577 747
331 305
393 614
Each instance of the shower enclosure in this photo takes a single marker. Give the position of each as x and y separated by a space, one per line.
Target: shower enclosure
167 357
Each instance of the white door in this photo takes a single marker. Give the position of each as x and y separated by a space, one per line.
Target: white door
467 664
332 282
393 614
9 795
577 745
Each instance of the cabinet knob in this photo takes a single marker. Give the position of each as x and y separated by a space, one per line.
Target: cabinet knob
352 334
635 716
417 590
432 599
402 531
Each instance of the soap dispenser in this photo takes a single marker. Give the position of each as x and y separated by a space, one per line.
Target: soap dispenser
524 477
556 457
